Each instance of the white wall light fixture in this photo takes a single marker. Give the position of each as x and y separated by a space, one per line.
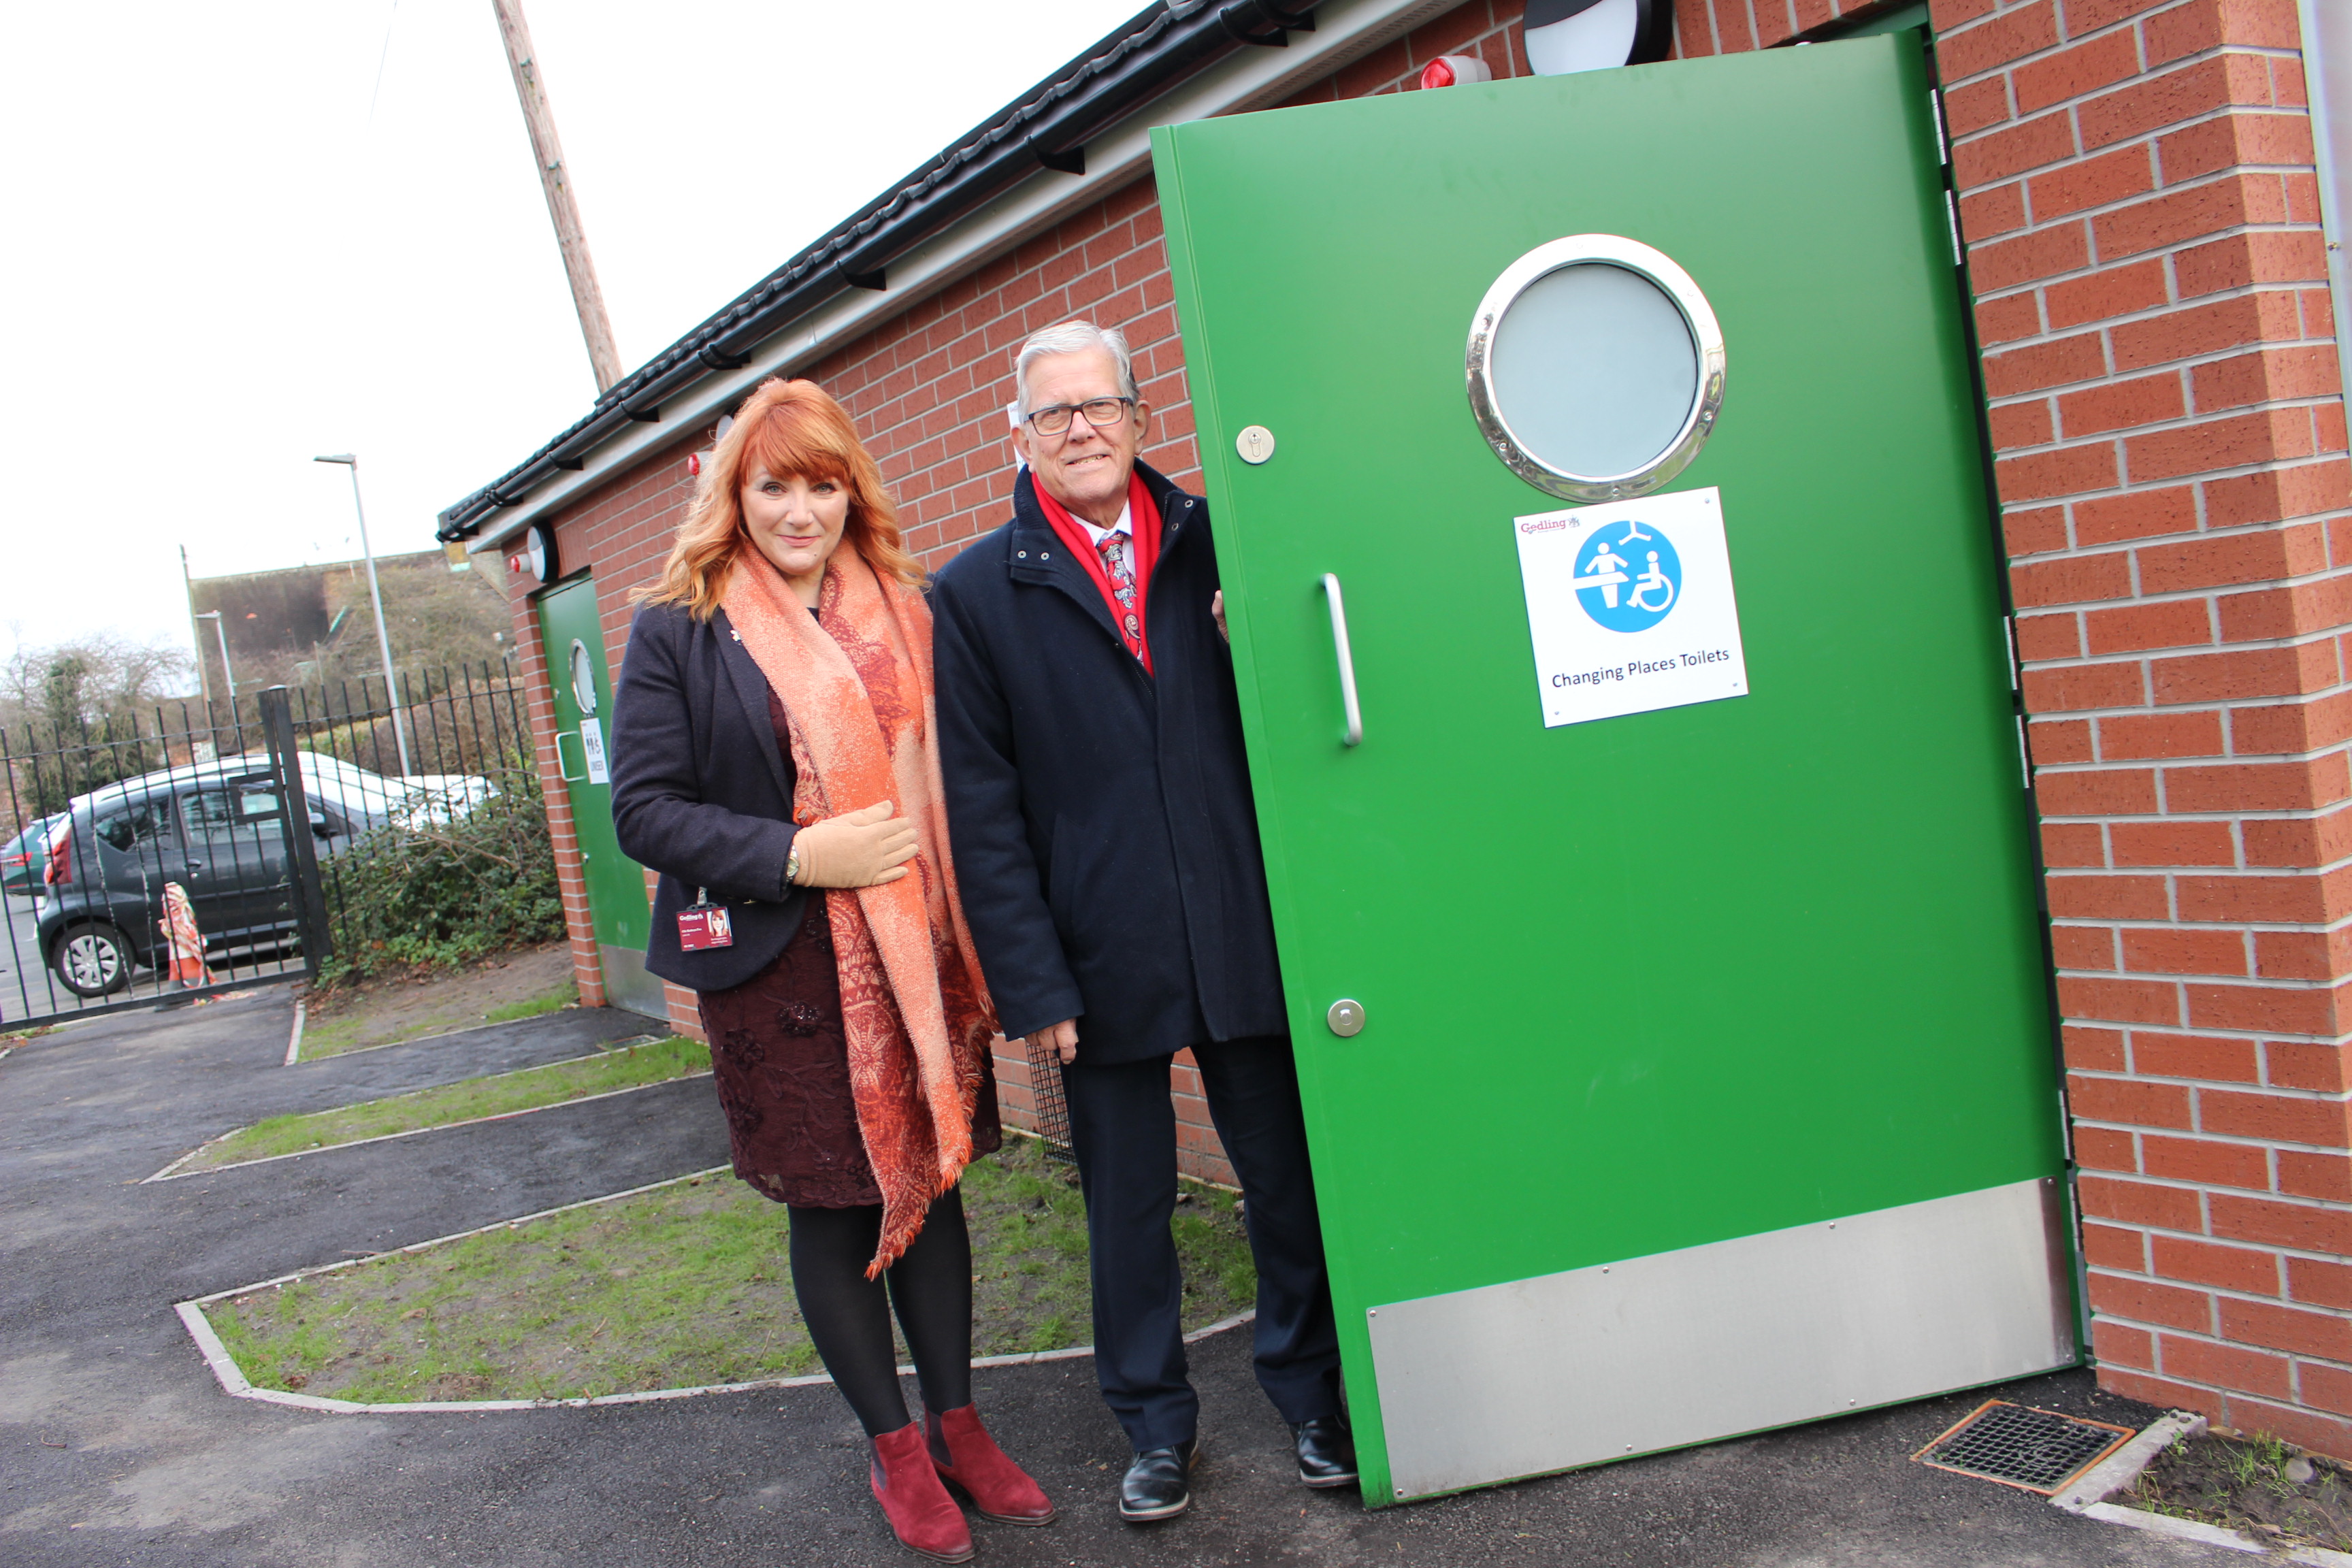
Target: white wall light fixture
1566 36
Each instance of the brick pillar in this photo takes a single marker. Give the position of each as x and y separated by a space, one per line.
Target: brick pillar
2142 222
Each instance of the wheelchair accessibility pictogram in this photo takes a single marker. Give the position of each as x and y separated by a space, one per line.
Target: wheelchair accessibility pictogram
1628 577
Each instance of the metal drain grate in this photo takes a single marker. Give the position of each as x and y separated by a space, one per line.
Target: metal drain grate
2018 1446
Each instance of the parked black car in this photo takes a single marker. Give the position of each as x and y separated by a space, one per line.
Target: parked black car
217 829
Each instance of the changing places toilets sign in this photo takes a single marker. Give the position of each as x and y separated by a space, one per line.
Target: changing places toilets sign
1630 606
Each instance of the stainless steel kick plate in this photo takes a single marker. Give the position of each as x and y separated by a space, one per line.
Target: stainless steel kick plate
1710 1342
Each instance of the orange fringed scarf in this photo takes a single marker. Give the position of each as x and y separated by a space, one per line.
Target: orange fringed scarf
856 684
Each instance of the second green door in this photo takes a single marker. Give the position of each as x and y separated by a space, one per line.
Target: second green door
574 639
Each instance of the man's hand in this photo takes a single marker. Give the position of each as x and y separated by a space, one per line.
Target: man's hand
857 850
1062 1036
1217 609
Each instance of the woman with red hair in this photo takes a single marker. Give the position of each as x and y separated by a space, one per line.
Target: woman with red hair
773 758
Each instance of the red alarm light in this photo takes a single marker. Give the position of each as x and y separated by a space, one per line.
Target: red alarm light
1448 70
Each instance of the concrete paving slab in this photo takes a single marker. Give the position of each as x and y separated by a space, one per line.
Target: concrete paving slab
121 1450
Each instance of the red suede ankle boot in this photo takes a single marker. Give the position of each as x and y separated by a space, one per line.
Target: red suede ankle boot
999 1488
921 1514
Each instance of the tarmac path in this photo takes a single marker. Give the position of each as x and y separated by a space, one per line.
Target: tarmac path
117 1447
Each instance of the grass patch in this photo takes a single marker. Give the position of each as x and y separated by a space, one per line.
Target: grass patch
2267 1489
626 1067
684 1286
396 1005
554 1001
332 1038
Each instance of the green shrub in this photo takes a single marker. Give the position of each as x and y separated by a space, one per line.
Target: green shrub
436 895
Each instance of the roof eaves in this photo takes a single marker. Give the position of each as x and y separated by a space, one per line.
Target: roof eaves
1142 57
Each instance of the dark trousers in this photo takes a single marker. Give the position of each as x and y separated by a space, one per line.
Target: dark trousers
1123 1129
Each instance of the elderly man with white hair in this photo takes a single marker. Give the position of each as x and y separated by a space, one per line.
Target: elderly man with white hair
1107 851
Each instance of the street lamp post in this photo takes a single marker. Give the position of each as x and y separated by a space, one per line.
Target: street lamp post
376 595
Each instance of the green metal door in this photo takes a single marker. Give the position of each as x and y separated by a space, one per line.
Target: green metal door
1697 1078
573 637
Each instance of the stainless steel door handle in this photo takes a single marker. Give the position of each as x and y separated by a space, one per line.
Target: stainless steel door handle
562 736
1355 735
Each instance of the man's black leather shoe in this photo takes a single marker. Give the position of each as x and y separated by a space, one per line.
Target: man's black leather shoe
1159 1484
1327 1454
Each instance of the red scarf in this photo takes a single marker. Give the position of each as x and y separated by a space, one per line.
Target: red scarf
1143 546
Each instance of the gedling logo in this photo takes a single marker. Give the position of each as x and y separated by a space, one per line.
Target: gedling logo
1628 577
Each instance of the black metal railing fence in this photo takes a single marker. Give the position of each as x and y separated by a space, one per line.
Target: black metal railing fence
316 830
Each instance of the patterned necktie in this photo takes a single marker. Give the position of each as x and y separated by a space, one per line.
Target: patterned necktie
1113 548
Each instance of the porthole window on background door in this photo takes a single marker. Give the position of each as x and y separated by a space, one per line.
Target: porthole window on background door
584 677
1595 368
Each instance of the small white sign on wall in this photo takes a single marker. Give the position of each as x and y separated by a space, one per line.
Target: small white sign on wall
1630 606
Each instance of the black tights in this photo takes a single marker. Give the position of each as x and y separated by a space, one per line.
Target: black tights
848 1316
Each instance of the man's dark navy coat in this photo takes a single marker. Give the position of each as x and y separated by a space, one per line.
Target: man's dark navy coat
1125 888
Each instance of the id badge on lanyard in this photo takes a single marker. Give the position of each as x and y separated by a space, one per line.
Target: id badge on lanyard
704 924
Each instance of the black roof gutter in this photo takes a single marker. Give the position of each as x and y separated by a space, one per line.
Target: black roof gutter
1048 126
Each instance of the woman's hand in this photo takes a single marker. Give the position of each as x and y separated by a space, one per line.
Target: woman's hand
857 850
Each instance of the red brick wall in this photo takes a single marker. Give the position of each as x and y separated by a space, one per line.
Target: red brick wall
2142 222
2141 212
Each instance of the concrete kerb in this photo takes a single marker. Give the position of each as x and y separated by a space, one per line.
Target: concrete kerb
2120 1468
294 1041
234 1382
2088 1493
172 1172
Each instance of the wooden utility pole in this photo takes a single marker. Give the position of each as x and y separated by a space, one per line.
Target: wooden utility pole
586 297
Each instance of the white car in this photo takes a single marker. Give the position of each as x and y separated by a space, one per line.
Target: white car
372 800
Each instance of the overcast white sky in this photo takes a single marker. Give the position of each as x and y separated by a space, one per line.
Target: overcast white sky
232 247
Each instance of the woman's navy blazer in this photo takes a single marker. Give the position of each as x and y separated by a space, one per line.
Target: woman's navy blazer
702 793
1106 840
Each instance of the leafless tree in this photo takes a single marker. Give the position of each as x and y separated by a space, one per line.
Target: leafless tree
90 680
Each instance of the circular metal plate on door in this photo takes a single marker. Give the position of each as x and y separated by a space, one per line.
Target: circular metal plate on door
1256 444
1595 368
584 677
1345 1017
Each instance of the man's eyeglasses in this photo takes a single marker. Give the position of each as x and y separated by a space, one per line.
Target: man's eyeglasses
1100 412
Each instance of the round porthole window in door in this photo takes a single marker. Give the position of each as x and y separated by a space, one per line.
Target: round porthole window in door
584 677
1595 368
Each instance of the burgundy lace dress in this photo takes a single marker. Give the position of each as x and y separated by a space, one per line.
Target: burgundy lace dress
781 1058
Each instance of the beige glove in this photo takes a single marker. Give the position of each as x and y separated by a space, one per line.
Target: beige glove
857 850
